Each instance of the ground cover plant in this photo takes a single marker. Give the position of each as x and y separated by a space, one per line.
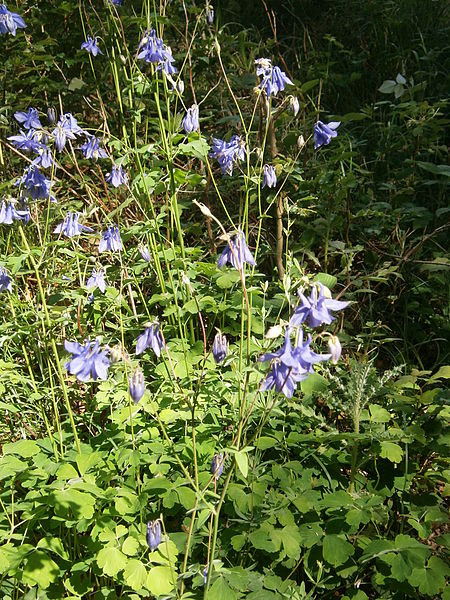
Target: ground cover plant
224 281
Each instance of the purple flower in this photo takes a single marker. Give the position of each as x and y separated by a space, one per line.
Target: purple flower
87 361
220 347
67 128
153 50
111 240
316 309
236 253
269 176
115 2
305 356
10 21
5 281
190 121
151 337
97 280
70 226
153 534
117 176
91 149
8 213
137 385
90 45
145 253
35 185
323 133
217 465
228 153
273 80
29 119
44 158
26 140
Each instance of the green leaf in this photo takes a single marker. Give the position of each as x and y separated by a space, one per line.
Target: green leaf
443 373
111 560
40 570
135 574
326 279
161 581
55 545
76 84
430 580
387 87
290 538
220 590
314 383
391 451
130 546
336 549
265 442
378 414
24 448
242 463
72 502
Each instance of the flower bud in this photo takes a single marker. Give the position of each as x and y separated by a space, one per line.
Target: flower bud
300 142
153 534
220 347
335 348
274 332
217 465
294 105
210 14
51 115
116 353
180 86
144 253
137 386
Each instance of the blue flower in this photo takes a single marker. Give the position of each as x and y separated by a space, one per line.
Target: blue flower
273 80
87 361
35 185
217 465
97 280
91 149
115 2
67 128
227 153
117 176
44 158
220 347
144 253
5 281
111 240
26 140
323 133
90 45
269 176
190 121
316 309
8 213
305 356
10 21
29 119
137 385
153 534
70 226
236 253
153 50
151 337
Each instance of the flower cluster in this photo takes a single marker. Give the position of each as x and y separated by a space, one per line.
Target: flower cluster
228 153
153 50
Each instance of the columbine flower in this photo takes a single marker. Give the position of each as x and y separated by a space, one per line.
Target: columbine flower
316 309
305 356
35 185
88 360
26 140
111 240
10 21
44 158
323 133
209 14
90 45
335 348
29 119
8 213
137 385
220 347
144 252
153 50
91 149
190 121
153 534
5 281
236 253
97 280
269 176
51 115
294 105
117 176
273 80
217 465
228 152
70 226
151 337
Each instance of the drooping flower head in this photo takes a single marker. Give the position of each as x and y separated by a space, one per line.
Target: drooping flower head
5 281
97 280
137 385
306 357
153 534
273 79
35 185
10 21
335 348
117 177
88 361
111 240
150 338
228 153
26 140
29 119
236 253
70 227
217 465
209 11
316 309
269 176
44 158
90 45
220 347
190 121
9 214
144 252
324 133
67 128
91 149
153 50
